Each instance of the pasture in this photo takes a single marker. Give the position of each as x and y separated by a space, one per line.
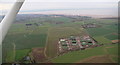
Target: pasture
99 31
107 32
29 37
112 37
100 34
55 33
20 54
23 38
102 40
77 56
50 31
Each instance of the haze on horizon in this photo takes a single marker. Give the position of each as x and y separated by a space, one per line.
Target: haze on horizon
99 8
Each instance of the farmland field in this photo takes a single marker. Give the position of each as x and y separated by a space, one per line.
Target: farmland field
43 33
77 56
107 27
106 33
102 35
102 40
54 34
20 54
112 37
10 57
24 37
98 32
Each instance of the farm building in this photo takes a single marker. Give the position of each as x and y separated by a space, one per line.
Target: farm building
63 46
28 24
90 26
76 43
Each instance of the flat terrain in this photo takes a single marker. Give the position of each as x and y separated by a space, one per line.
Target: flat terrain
103 35
97 59
102 40
55 34
89 54
41 37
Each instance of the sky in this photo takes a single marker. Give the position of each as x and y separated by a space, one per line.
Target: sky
75 7
62 0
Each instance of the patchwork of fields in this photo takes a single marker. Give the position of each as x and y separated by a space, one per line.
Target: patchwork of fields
78 56
106 33
103 35
22 39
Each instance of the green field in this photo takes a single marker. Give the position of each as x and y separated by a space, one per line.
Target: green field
77 56
99 31
102 40
107 32
21 39
108 27
10 57
102 35
112 37
33 40
20 54
28 38
101 21
54 34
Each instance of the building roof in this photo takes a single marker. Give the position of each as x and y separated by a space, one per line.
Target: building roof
64 44
65 47
74 41
90 43
74 44
84 43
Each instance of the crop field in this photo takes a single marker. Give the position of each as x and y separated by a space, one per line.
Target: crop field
56 33
112 37
37 40
99 31
20 54
103 35
16 55
101 21
23 38
77 56
10 57
106 24
102 40
44 33
107 32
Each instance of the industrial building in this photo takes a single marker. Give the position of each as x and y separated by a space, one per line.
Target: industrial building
75 43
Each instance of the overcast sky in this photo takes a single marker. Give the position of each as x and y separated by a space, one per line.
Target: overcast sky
95 7
62 0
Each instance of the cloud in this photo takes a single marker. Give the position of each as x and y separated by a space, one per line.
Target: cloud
5 6
63 4
62 0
